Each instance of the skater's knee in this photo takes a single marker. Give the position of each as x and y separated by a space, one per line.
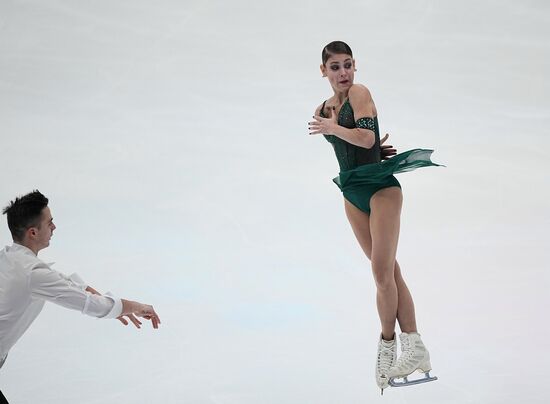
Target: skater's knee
383 275
384 284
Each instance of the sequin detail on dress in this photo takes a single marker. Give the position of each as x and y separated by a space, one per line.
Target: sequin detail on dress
366 123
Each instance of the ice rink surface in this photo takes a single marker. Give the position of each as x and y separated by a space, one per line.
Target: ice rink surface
171 139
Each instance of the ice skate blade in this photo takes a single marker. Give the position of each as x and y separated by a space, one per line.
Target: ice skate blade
406 382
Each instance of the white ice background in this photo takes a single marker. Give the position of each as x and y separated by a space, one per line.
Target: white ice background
171 139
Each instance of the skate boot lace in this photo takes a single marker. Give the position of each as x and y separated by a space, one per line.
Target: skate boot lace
385 357
407 355
407 351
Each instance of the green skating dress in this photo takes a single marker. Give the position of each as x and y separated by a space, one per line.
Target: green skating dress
362 171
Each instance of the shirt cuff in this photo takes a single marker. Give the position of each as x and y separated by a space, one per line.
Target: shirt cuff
116 311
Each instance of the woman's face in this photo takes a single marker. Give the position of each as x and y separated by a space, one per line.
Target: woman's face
339 69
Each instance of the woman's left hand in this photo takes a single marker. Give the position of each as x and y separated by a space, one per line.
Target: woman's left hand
386 150
322 125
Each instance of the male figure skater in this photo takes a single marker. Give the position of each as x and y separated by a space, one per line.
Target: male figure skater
26 282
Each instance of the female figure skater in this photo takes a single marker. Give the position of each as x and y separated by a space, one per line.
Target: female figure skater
373 199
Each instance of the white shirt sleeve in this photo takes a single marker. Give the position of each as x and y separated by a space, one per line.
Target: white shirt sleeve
74 278
50 285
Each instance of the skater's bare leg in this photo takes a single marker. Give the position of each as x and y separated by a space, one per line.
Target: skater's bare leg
405 305
404 308
384 229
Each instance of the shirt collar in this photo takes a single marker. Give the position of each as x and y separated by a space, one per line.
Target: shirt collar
20 247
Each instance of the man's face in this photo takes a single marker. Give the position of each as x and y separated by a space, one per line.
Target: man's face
44 231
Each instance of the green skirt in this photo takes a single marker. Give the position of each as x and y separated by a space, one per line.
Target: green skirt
361 183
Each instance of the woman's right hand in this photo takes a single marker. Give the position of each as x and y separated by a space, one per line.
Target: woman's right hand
325 126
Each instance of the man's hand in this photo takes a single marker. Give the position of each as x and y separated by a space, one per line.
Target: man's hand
130 316
131 309
386 150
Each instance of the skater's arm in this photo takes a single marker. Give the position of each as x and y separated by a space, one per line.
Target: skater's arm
132 309
48 284
121 318
73 278
329 126
363 107
79 282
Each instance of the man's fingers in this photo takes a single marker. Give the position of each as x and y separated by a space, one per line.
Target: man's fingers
155 319
134 320
386 136
147 312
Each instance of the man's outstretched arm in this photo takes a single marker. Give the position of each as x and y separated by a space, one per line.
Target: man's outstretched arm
50 285
122 318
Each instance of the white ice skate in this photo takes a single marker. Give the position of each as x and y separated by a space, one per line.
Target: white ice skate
414 356
387 354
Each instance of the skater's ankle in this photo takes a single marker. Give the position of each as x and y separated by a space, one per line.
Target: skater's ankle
390 339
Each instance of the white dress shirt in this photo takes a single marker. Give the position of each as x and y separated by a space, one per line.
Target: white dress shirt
26 283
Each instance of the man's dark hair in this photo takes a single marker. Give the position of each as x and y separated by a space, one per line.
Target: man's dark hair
25 212
335 48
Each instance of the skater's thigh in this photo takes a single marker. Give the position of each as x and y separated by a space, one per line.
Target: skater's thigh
384 225
359 221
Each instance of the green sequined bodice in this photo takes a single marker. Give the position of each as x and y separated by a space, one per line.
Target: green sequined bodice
348 155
